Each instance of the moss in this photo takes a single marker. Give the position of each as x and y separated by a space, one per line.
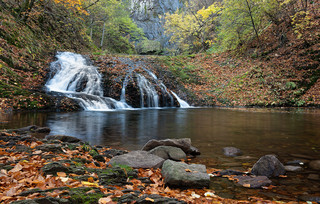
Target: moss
80 195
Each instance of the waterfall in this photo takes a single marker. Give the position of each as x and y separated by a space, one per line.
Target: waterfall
73 76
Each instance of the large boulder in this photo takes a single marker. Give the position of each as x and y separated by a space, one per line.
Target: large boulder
138 159
178 174
63 138
168 152
269 166
183 143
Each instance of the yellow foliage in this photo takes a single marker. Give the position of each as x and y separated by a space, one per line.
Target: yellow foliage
215 8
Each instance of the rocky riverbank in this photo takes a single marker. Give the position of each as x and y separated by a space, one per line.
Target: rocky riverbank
64 169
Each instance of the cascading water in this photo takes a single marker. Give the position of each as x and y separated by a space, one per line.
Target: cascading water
75 77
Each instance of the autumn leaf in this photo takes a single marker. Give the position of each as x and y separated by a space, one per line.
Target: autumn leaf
61 174
247 185
149 199
16 168
188 170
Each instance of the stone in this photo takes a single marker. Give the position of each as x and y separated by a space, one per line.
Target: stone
54 167
315 165
293 168
228 172
168 152
114 152
157 199
253 181
231 151
178 174
63 138
269 166
183 143
295 162
54 148
32 128
138 159
99 158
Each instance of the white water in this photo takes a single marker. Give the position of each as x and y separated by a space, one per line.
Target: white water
77 79
73 76
183 104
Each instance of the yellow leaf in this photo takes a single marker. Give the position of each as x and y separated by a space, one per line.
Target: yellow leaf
188 170
149 199
89 184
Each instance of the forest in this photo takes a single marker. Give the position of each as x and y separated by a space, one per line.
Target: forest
197 68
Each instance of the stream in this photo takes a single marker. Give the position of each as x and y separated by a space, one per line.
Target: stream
290 134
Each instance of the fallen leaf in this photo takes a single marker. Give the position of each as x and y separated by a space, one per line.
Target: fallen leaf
149 199
188 170
16 168
61 174
247 185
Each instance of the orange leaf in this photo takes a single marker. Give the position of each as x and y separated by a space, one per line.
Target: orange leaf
90 179
188 170
61 174
16 168
247 185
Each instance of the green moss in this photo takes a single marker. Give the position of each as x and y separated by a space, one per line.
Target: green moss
80 195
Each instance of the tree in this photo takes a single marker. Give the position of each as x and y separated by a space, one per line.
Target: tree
192 29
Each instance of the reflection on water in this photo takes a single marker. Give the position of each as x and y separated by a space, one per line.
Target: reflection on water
254 132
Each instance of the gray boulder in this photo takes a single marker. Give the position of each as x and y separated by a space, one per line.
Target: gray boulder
231 151
63 138
54 148
168 152
138 159
315 165
178 174
183 143
253 181
269 166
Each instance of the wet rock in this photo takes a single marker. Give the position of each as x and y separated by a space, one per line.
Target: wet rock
128 198
31 128
114 152
116 176
99 158
138 159
169 152
54 148
54 167
293 168
157 199
315 165
63 138
184 144
253 181
295 162
269 166
178 174
22 148
228 172
245 158
231 151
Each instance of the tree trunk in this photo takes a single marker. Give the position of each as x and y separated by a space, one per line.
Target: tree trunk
252 21
102 37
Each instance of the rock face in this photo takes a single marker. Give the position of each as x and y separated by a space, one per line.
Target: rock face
184 144
178 174
269 166
168 152
146 14
231 151
138 159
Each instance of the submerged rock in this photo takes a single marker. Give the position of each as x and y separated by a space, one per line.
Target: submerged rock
231 151
32 128
178 174
168 152
138 159
253 181
315 165
63 138
269 166
183 143
293 168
